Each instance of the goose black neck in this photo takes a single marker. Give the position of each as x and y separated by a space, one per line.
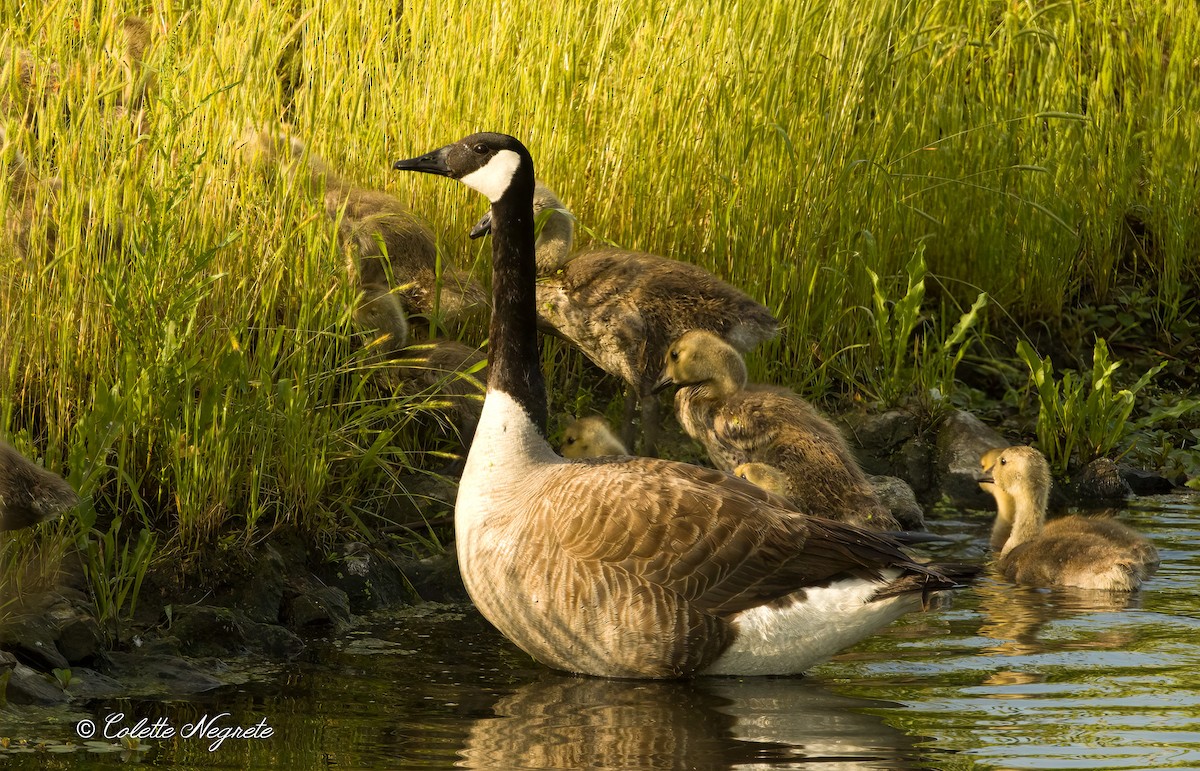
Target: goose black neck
514 364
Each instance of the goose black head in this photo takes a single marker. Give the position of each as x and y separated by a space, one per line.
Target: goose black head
492 164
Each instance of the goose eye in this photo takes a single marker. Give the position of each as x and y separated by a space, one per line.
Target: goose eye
480 149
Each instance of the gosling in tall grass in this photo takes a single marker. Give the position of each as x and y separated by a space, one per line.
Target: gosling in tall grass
739 424
30 494
1083 552
623 309
390 253
30 201
590 437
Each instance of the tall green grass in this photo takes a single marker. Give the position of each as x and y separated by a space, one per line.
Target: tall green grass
188 349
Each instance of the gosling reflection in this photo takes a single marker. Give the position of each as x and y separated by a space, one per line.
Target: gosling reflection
564 722
1016 616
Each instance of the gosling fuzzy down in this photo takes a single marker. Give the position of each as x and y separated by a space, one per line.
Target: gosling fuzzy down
1077 551
590 437
739 424
30 494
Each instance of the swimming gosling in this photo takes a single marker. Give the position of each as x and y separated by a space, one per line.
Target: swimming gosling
590 437
1083 552
623 308
30 494
739 424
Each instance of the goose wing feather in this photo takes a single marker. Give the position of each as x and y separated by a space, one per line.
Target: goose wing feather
717 541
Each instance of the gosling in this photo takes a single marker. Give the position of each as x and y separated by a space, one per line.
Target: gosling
1083 552
30 494
390 254
623 309
739 424
590 438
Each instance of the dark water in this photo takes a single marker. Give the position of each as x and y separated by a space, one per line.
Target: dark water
1005 678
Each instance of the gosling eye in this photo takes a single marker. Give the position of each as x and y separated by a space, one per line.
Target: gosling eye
674 355
480 149
570 440
1003 461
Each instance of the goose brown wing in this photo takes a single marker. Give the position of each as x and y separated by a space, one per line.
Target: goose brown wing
717 541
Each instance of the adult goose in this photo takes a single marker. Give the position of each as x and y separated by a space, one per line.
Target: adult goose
740 423
1084 552
623 308
30 494
639 567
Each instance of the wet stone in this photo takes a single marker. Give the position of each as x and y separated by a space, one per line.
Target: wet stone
883 432
31 638
316 605
151 673
962 440
27 686
1101 480
1143 482
898 497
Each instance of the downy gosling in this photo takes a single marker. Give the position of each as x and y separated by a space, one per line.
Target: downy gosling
1083 552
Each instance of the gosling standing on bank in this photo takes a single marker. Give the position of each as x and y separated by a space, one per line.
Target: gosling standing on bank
740 424
30 494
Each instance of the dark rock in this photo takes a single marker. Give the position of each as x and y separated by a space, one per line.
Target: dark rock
205 630
261 597
882 433
158 674
318 605
898 497
30 687
274 640
31 638
915 466
435 578
78 633
371 579
962 440
90 684
1143 482
1101 480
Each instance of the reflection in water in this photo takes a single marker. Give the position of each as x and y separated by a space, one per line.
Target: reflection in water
560 722
1014 616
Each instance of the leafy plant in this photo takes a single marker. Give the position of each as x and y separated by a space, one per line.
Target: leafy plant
1081 418
115 570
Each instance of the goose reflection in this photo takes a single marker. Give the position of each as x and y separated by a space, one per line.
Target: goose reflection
561 722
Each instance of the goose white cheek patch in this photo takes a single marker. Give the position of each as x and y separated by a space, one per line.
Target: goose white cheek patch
494 178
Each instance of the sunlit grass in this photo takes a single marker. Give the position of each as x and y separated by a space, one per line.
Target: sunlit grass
186 350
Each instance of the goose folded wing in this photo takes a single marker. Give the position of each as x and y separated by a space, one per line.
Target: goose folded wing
718 541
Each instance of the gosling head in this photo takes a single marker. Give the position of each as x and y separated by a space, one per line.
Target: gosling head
1021 473
700 357
765 476
590 438
493 164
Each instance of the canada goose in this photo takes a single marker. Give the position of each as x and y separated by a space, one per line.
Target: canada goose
638 567
590 437
740 424
390 254
1085 552
623 308
30 494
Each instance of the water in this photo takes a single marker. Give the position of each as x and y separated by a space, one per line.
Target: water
1005 679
